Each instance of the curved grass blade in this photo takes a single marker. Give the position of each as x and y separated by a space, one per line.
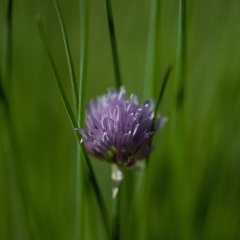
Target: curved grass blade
56 75
89 168
160 96
68 53
113 43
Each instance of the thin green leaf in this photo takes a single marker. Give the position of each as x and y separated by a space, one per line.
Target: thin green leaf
68 53
81 177
56 75
113 43
101 203
151 50
84 13
160 96
117 177
181 53
91 174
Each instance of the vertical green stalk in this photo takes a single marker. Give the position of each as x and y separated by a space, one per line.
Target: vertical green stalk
84 13
91 213
115 201
117 177
179 172
68 53
113 44
98 194
150 74
181 53
79 198
151 50
73 121
139 197
81 176
115 217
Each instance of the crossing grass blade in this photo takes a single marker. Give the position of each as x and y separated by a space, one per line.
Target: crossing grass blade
116 64
68 53
90 173
81 177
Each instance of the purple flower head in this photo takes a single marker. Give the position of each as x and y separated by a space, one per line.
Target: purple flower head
118 129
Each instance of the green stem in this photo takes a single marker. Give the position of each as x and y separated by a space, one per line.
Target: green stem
115 217
178 131
56 75
98 194
89 168
113 43
81 176
84 13
68 53
181 53
160 96
151 50
79 198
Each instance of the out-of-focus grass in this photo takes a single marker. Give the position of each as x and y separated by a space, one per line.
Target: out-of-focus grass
191 197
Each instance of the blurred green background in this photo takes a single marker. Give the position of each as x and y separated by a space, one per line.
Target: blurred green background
191 196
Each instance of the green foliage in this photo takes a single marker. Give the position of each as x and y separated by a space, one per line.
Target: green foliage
190 189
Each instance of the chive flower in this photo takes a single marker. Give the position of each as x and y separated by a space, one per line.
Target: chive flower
118 129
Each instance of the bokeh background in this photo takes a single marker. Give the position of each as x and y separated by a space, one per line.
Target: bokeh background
194 195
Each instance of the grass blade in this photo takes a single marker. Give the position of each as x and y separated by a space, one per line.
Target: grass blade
101 203
115 217
151 50
178 130
160 96
68 53
181 53
81 177
84 13
91 174
113 43
56 75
